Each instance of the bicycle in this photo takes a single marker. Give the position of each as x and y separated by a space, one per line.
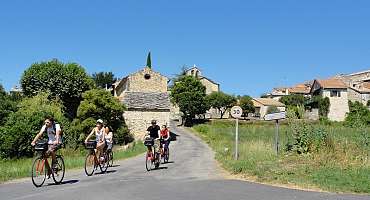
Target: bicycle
110 157
41 166
151 159
165 150
92 162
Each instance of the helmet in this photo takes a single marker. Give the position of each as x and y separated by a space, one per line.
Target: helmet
100 121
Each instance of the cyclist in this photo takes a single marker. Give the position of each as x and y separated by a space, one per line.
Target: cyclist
99 131
54 132
108 138
153 132
165 135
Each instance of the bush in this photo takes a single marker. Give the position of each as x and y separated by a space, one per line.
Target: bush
98 104
358 115
307 138
21 126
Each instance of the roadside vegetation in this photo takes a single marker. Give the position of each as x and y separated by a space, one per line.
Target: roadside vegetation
315 155
19 168
73 98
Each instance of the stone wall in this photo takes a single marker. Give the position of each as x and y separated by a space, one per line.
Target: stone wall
139 121
147 80
312 115
210 87
338 105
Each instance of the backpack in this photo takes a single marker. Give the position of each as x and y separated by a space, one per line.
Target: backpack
55 130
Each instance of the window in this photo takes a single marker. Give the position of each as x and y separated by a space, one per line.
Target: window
334 93
147 76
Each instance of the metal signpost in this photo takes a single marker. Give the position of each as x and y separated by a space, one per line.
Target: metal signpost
236 112
276 117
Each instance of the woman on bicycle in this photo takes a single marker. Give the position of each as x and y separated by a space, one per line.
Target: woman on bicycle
108 138
165 135
99 132
54 133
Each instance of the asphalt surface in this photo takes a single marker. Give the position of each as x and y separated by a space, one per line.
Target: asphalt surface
191 174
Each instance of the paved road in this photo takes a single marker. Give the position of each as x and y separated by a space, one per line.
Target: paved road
192 175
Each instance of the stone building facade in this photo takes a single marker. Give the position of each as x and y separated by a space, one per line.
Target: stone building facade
336 91
144 93
358 85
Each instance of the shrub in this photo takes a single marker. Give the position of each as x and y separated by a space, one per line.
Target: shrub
358 115
307 138
21 127
98 104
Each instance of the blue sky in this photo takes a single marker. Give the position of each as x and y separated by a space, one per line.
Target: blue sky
248 47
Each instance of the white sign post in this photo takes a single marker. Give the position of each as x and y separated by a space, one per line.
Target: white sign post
276 117
236 112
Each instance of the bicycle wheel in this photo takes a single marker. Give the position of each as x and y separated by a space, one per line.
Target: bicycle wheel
104 163
38 171
58 169
110 158
90 164
157 160
148 161
166 155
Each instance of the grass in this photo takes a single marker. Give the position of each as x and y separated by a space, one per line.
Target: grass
18 168
342 166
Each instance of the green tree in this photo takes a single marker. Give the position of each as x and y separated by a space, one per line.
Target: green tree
246 104
221 101
149 61
293 100
62 81
104 79
189 94
358 115
7 105
98 104
21 127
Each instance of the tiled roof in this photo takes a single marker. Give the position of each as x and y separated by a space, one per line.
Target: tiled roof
300 89
332 83
146 100
269 102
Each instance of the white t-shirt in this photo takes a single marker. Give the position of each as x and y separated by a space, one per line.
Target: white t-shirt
51 133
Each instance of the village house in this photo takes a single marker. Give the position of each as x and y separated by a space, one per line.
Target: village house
358 85
144 93
262 105
336 91
302 89
360 92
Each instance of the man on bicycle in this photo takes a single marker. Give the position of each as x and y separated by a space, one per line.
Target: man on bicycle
153 132
54 133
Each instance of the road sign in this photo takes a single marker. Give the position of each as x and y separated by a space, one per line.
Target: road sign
275 116
236 111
